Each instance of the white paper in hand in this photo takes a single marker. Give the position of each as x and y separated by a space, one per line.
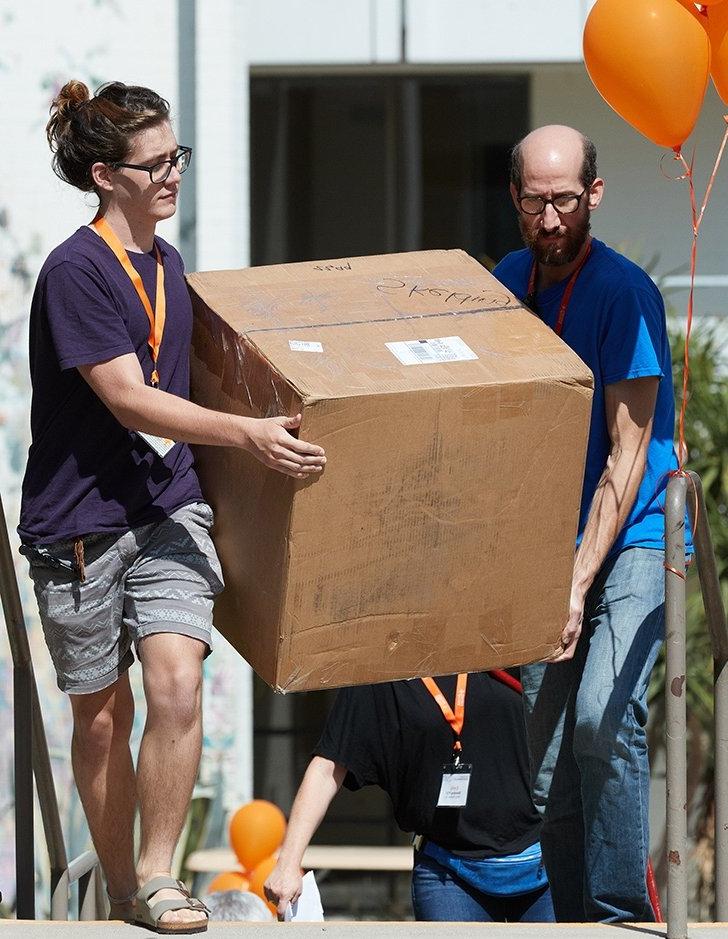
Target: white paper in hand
307 908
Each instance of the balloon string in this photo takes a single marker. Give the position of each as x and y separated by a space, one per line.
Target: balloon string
718 159
697 218
695 519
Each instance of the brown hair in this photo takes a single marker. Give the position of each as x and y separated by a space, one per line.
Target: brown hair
83 130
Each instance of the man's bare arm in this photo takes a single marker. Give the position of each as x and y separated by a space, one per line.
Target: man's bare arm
630 408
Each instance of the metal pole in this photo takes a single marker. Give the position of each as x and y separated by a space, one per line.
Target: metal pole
718 628
411 166
32 758
24 821
391 166
720 704
87 895
186 119
59 895
402 31
23 724
30 734
675 669
102 906
47 792
83 869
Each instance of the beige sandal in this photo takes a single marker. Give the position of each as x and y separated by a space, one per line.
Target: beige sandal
148 913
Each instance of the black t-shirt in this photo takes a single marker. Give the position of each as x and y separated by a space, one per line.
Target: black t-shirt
395 736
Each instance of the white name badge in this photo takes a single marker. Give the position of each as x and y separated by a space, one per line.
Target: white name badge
455 785
160 445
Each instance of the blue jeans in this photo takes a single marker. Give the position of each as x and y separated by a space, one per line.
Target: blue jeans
586 736
438 895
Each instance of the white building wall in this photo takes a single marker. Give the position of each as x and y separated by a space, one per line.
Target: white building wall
322 31
495 30
221 147
42 45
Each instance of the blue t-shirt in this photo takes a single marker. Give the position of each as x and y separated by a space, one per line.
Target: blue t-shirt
86 472
616 323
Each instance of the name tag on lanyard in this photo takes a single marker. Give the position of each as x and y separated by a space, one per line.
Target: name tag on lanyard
455 775
160 445
455 785
157 317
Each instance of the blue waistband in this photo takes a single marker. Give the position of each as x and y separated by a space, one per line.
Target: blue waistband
507 875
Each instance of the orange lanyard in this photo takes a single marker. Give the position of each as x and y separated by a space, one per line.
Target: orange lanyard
530 300
454 718
156 316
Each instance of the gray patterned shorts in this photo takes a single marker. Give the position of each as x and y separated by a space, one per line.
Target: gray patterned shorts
157 578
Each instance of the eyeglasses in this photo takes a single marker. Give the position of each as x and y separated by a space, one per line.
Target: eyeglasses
159 172
564 205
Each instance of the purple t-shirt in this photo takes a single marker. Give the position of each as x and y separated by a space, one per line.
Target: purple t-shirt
86 472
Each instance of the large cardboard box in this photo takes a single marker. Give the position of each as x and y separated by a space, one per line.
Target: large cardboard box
440 536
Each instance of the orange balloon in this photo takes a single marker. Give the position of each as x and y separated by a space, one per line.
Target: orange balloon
256 831
718 34
649 60
230 880
258 877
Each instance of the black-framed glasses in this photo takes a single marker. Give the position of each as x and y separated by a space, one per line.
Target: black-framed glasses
564 204
159 172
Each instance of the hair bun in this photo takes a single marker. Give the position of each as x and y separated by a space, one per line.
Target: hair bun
71 96
68 100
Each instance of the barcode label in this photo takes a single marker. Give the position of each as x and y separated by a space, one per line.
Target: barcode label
298 345
426 351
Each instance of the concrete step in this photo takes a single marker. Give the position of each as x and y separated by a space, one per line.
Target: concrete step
27 929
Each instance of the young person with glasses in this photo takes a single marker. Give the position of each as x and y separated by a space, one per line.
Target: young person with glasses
112 518
586 711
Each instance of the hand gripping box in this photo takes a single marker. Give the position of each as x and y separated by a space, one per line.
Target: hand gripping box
440 536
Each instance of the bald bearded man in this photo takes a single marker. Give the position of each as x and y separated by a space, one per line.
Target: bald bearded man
586 710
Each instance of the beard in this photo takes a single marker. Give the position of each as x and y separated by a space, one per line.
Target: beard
564 251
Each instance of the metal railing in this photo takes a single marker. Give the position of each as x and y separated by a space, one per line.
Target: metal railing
686 491
32 759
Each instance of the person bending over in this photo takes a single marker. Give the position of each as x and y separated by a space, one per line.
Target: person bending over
451 755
